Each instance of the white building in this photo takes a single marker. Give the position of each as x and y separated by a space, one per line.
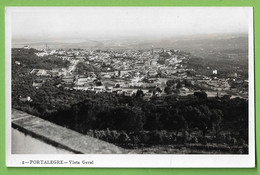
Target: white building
215 72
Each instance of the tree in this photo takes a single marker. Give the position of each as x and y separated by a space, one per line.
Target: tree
178 121
128 118
200 121
201 95
216 120
168 90
139 93
170 83
178 86
98 83
157 89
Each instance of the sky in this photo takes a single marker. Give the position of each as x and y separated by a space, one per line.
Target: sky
101 23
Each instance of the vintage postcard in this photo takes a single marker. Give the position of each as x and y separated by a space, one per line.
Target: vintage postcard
129 87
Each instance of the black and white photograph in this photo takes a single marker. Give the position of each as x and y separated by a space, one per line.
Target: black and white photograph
130 86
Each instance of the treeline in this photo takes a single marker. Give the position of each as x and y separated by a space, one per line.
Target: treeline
83 68
28 59
173 86
209 117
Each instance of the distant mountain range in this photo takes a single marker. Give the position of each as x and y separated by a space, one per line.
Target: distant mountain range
59 45
196 44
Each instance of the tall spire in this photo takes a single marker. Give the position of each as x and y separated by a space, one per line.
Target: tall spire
152 52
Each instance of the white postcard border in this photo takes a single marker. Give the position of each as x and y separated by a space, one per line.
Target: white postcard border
123 160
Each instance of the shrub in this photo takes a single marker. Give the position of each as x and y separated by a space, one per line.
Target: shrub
114 136
156 137
194 140
123 138
233 141
168 138
91 133
144 137
241 141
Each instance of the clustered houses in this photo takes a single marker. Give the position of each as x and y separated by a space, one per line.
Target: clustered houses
126 72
